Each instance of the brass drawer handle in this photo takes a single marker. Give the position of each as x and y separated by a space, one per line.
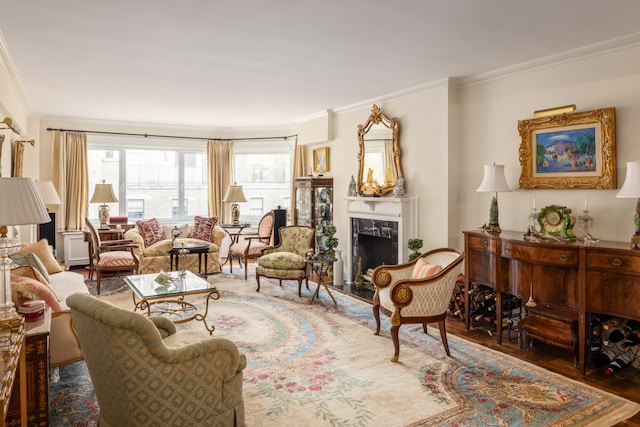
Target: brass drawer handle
484 243
563 257
507 250
616 262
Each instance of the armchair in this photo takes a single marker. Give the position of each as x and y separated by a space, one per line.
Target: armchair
145 373
287 260
111 257
417 292
252 245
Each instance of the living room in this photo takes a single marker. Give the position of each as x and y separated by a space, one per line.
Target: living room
451 126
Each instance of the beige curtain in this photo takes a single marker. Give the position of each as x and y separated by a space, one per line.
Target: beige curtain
299 166
71 177
220 159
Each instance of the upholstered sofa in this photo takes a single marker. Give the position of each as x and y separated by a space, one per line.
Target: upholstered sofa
37 275
155 257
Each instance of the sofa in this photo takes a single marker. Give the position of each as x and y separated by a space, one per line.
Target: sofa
37 275
155 257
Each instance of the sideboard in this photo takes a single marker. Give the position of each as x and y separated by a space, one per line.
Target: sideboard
566 280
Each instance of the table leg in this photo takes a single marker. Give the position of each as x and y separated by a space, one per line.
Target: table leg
206 263
213 295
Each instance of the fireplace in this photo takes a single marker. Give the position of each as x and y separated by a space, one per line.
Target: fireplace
380 230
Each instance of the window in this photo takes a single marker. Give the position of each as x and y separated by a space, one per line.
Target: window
158 178
135 209
263 169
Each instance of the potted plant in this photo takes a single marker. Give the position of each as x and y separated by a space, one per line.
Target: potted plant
414 245
330 241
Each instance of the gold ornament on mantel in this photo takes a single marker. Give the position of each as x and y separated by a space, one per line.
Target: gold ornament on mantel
371 186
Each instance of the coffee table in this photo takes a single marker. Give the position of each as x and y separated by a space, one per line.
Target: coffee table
168 299
190 248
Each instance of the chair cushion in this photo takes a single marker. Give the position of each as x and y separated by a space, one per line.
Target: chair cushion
203 227
423 269
282 261
254 248
116 259
43 252
151 231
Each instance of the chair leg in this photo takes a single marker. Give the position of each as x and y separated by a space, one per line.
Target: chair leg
443 335
425 328
245 269
300 287
230 262
396 342
376 315
98 279
258 281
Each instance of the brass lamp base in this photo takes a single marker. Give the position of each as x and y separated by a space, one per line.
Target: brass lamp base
492 228
635 241
235 214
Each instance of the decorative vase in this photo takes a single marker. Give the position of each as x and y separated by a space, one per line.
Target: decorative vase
338 269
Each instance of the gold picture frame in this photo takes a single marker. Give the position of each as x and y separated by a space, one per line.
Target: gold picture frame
321 160
576 150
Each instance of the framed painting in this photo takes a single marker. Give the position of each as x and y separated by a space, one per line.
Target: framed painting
576 150
321 160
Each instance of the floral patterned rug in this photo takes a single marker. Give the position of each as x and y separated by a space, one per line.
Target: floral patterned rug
321 365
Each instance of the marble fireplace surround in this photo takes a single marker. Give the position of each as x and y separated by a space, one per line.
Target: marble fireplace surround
391 217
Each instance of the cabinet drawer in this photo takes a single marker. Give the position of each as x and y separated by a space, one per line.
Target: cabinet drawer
619 263
483 243
546 255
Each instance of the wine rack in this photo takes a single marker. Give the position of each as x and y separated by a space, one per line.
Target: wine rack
482 310
456 305
613 344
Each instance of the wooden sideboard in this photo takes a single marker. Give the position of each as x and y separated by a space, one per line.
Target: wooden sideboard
566 280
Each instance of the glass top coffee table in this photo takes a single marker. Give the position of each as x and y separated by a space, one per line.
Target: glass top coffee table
167 299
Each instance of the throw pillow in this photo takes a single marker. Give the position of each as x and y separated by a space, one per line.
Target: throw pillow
27 288
151 231
31 260
168 230
423 269
28 271
203 227
41 250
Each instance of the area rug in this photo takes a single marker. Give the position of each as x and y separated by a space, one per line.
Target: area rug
321 365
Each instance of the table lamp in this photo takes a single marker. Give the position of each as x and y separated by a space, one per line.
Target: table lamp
235 195
21 205
493 182
631 190
103 193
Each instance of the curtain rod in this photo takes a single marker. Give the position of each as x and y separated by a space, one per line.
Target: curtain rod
146 135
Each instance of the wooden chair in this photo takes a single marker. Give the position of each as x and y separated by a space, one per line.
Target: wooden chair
417 292
111 257
250 247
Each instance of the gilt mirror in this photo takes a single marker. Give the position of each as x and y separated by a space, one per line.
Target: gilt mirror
379 155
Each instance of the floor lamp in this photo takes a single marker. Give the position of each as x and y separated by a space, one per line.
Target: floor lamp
21 205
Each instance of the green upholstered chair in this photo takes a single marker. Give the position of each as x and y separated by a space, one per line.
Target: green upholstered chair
287 260
145 373
417 292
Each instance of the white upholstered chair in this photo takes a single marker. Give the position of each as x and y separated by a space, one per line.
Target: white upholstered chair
417 292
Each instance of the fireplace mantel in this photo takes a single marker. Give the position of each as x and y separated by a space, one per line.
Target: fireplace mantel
403 210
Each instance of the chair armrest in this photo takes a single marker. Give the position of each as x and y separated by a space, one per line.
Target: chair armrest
126 246
385 275
164 325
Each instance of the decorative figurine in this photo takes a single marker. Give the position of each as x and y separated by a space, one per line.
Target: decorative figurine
398 190
352 187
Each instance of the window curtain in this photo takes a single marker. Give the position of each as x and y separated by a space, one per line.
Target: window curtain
220 176
71 177
299 166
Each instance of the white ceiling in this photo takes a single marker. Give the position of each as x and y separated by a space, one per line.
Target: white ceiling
256 63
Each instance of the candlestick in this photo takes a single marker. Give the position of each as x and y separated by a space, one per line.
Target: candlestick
586 204
534 204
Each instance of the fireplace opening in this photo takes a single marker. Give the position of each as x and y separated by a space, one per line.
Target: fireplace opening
375 251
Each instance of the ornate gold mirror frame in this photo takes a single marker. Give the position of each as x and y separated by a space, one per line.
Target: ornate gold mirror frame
382 132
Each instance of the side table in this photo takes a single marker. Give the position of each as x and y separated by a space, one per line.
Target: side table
320 264
234 237
191 248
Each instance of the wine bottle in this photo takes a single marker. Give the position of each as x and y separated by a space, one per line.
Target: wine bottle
632 340
611 323
616 335
475 290
604 358
618 363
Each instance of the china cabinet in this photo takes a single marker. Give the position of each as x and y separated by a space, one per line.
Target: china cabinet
314 205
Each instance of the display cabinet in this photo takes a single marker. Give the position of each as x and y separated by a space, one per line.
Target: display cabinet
314 205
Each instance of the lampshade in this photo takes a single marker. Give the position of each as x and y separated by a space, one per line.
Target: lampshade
48 193
234 194
103 193
494 180
631 187
21 203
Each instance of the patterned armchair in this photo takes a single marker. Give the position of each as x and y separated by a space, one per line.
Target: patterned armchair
417 292
146 374
287 260
250 247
